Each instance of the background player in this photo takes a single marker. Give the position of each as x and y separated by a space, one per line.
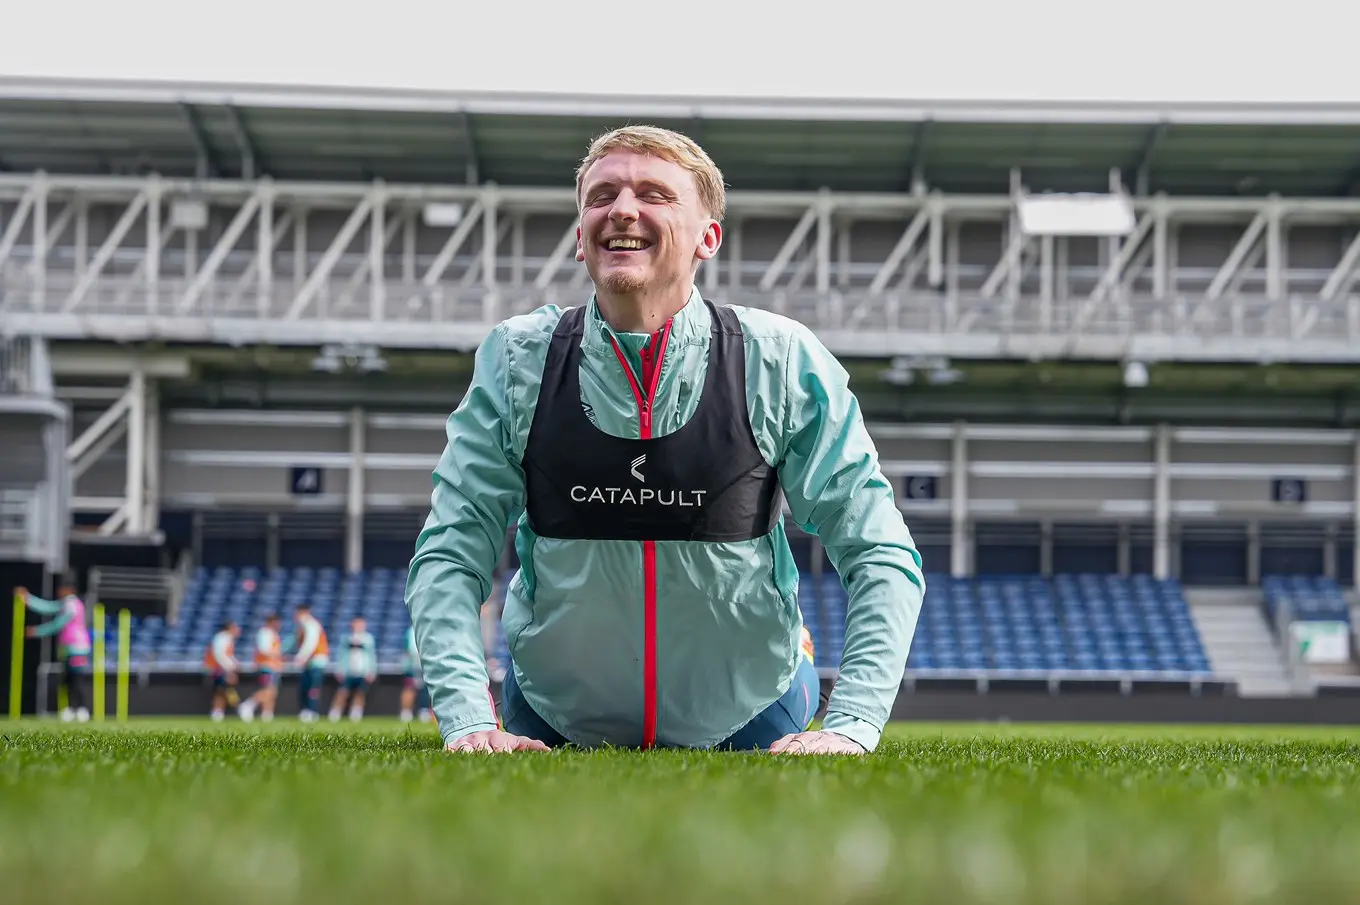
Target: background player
221 663
358 669
311 657
268 665
73 642
413 683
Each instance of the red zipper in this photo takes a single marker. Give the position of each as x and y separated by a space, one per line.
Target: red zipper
650 362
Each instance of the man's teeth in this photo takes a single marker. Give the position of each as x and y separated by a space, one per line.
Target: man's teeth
626 244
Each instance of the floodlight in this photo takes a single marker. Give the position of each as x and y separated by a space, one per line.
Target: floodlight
1076 215
443 214
1135 375
188 214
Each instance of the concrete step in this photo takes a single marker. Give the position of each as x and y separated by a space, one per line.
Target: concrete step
1238 641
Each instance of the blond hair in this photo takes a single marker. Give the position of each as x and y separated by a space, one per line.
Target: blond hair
668 145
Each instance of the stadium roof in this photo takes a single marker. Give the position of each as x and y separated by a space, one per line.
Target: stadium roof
188 129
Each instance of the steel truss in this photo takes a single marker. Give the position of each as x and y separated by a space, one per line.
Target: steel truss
125 259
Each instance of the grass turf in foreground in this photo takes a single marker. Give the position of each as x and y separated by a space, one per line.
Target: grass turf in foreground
962 814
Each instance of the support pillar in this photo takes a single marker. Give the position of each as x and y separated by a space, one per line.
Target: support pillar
136 454
1329 552
1254 552
1161 505
151 520
354 500
960 560
1355 511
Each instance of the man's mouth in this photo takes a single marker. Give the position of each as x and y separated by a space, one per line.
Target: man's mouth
626 244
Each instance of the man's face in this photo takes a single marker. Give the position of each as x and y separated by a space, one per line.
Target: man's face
358 626
643 226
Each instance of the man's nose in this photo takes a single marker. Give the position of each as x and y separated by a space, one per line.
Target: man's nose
624 209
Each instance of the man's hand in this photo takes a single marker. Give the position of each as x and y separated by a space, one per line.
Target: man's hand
31 632
822 742
494 741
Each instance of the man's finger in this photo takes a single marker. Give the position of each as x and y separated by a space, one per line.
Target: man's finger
529 744
797 743
790 744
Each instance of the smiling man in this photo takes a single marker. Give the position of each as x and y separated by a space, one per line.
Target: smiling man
645 442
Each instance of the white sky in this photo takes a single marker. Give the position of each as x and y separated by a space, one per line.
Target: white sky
1097 50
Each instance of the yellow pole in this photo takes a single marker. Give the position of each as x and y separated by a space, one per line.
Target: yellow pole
99 663
16 660
124 661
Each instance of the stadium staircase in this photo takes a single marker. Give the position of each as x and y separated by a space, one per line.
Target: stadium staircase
1239 641
142 591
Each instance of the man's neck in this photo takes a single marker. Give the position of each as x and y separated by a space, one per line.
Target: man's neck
641 313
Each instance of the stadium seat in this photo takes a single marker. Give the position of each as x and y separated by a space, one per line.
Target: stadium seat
997 624
1024 624
1310 598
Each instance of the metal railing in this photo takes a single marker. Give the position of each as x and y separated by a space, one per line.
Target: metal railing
16 366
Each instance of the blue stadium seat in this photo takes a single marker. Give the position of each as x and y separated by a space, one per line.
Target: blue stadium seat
1101 623
1010 623
1309 597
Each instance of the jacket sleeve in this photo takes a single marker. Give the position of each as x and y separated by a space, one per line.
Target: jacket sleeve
43 606
836 490
478 490
55 624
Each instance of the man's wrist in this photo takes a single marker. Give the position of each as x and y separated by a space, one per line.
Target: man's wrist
454 735
857 729
856 742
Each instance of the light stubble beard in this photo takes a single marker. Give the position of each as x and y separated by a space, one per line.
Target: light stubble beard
623 284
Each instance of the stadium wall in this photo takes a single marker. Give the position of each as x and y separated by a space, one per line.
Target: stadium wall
188 694
1031 504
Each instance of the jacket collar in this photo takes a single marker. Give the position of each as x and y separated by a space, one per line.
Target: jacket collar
691 324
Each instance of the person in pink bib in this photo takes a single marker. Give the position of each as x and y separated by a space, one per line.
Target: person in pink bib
67 623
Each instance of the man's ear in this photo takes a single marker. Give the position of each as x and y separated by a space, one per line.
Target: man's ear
710 241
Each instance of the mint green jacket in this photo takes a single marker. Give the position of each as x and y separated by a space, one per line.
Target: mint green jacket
727 622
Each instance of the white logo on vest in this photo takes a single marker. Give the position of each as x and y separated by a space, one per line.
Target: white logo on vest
616 496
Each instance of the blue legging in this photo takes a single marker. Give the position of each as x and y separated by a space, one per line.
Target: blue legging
309 688
791 713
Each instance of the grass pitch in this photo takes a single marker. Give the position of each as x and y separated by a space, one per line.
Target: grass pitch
195 812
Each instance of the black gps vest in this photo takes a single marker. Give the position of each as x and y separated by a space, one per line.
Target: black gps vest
706 481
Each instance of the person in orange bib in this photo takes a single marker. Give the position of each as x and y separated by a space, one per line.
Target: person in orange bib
221 663
268 665
311 657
